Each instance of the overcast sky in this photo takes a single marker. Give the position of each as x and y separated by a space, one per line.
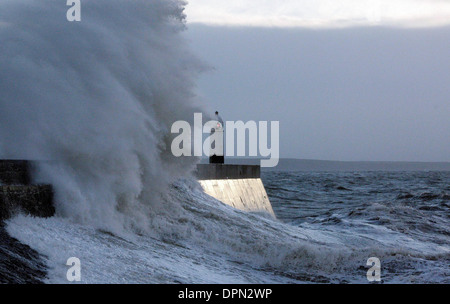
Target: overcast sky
320 13
348 80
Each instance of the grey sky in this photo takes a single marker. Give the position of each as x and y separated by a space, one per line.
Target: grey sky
354 93
320 13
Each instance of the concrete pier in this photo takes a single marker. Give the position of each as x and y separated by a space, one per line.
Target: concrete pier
18 195
239 186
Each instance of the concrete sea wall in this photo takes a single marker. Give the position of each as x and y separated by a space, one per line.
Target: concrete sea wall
17 194
239 186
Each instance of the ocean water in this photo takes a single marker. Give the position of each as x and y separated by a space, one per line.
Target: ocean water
95 100
328 226
406 214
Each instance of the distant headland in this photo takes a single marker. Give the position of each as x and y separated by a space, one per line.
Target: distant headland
292 164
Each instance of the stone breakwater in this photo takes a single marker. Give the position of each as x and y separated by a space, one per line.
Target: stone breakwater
19 264
35 200
17 194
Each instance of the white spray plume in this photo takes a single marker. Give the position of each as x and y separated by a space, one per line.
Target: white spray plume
97 99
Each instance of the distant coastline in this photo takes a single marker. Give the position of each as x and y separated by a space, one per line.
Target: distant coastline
292 164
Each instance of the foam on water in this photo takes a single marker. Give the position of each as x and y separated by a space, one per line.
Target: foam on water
96 99
213 243
106 258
